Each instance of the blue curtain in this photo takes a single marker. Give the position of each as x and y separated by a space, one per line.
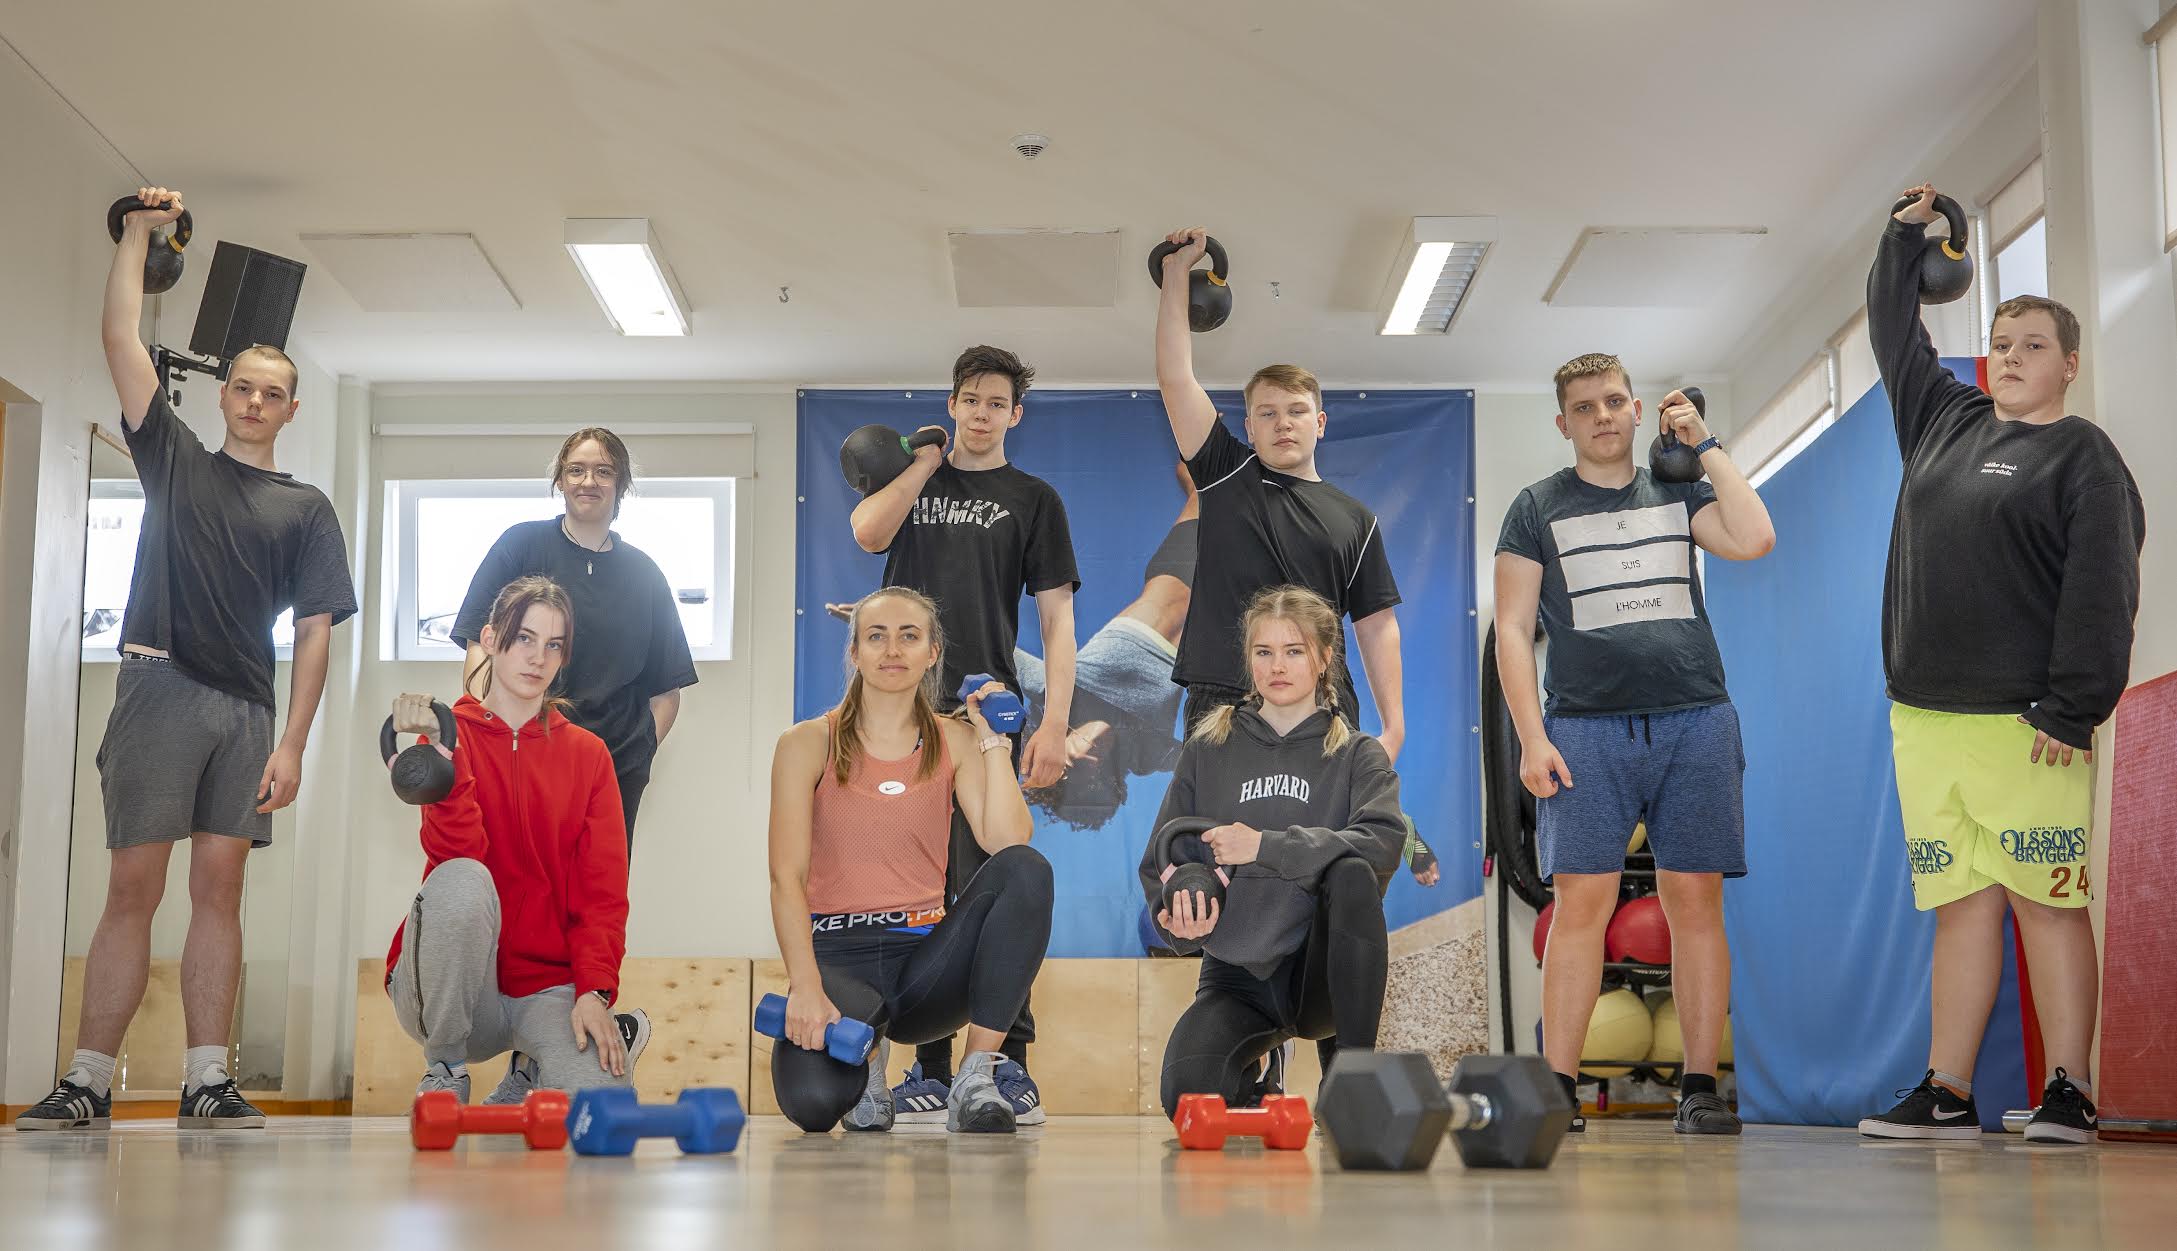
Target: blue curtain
1409 455
1829 957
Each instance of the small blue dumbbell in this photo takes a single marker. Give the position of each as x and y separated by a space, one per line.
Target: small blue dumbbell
1003 711
609 1120
846 1040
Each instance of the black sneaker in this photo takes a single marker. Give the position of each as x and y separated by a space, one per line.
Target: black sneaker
2065 1114
218 1107
1705 1113
1926 1111
69 1107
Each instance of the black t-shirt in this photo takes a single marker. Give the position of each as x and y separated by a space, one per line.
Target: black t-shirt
225 548
1621 594
2013 578
1261 528
975 541
628 644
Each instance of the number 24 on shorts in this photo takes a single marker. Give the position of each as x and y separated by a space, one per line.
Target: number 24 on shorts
2067 880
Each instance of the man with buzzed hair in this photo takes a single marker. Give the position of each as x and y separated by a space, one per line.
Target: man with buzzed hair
228 543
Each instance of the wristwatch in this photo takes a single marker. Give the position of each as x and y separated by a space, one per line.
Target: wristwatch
994 741
603 996
1707 443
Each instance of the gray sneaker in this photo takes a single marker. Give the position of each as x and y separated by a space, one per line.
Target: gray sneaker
520 1079
441 1076
874 1112
975 1104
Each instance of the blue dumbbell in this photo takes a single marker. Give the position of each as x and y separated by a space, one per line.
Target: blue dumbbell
846 1040
1003 711
609 1120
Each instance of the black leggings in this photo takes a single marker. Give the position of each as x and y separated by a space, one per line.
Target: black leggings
973 968
1332 988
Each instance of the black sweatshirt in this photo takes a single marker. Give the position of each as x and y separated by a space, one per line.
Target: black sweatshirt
1312 809
2013 576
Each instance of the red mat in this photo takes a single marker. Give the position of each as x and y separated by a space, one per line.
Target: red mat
2138 1075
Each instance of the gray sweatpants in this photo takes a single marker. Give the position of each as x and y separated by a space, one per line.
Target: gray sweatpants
445 987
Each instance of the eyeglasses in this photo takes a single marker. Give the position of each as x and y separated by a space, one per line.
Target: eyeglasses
602 475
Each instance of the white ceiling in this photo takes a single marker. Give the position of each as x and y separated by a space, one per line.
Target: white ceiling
830 146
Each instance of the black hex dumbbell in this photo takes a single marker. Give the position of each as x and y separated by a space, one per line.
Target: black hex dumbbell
1386 1110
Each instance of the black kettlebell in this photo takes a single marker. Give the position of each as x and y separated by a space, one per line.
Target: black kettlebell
1209 299
874 455
1671 460
1189 874
424 774
1946 265
162 261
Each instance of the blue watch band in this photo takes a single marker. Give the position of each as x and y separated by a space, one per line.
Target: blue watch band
1707 443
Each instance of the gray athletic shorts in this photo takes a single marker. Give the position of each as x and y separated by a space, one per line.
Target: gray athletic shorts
180 758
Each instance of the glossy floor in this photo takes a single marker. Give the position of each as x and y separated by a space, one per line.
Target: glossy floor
321 1183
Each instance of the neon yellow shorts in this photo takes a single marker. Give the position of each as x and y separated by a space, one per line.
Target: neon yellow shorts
1978 812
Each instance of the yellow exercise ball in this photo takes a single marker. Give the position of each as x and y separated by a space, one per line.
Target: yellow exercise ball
1620 1029
1668 1045
1640 838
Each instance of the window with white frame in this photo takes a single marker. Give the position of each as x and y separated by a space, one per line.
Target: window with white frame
115 524
2015 238
1797 416
439 531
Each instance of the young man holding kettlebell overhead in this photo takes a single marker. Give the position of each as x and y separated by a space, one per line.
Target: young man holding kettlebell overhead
228 543
974 533
1638 725
2007 613
1269 519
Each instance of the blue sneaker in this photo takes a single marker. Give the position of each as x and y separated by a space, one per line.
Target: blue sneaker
919 1100
1019 1090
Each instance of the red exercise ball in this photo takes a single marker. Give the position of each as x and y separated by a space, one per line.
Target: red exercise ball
1639 932
1542 928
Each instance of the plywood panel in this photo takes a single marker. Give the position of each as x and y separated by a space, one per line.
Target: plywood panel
699 1023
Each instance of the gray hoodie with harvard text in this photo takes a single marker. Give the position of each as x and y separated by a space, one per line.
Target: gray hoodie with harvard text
1312 809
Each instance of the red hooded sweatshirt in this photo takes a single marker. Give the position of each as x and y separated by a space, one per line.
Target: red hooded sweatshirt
541 809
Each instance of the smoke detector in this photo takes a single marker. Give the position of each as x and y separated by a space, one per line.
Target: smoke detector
1030 146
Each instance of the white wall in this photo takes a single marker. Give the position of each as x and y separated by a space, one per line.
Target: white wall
1970 164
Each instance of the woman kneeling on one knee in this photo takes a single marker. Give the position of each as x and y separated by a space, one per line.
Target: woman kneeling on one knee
861 817
515 939
1313 835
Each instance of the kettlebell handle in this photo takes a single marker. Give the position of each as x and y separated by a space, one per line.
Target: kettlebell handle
117 214
1174 830
1953 213
1700 405
921 439
388 741
1220 268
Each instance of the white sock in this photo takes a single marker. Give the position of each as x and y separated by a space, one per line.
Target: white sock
91 1069
203 1066
1962 1085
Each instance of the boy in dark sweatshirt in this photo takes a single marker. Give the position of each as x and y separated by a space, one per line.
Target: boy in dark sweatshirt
1313 835
2007 612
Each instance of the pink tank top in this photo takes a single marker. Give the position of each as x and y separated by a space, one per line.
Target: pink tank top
879 843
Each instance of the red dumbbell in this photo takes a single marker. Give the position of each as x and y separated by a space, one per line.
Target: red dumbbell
439 1118
1282 1122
